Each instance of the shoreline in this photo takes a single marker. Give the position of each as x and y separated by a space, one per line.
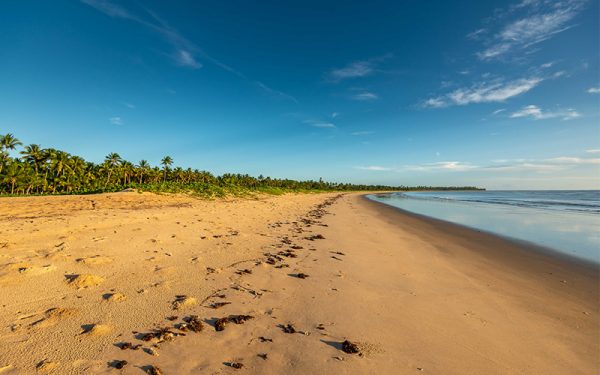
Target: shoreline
527 245
415 293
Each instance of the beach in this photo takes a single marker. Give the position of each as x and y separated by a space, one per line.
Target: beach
86 279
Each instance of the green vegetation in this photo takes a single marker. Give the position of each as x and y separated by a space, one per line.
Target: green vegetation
49 171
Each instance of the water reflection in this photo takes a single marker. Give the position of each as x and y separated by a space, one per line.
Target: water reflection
574 233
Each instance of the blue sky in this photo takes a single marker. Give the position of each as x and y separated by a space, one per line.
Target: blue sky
495 94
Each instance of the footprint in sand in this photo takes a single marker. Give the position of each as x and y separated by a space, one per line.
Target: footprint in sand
95 330
114 297
84 280
46 366
95 260
54 316
183 302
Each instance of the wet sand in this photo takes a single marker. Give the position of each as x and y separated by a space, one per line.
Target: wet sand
82 277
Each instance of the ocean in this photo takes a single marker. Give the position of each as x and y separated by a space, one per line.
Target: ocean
566 221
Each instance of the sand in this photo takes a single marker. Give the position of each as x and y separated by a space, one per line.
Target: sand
82 277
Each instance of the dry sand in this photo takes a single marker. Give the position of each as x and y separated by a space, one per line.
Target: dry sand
83 276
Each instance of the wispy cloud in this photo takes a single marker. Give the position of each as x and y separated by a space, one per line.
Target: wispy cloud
129 105
452 166
357 69
549 165
537 25
353 70
374 168
365 96
484 92
116 120
438 102
359 133
184 50
593 151
537 113
334 114
498 111
185 58
276 93
320 124
185 53
541 166
594 90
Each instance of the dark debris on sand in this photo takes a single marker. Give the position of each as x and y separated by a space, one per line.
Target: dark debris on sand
153 370
118 364
237 319
350 347
217 305
288 328
235 365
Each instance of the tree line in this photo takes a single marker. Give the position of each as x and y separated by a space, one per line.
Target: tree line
40 170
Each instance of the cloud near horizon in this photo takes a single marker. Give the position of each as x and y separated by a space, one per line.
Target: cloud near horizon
536 113
547 165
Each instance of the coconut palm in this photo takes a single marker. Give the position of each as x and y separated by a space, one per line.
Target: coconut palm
143 166
9 142
33 154
112 160
166 163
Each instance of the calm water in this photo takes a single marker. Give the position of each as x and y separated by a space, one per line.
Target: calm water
567 221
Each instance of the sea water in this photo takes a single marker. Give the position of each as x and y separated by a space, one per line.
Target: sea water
566 221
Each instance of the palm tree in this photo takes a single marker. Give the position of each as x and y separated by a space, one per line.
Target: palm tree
7 142
12 174
143 166
33 154
166 163
113 159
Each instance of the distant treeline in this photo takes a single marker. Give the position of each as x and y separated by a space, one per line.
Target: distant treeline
51 171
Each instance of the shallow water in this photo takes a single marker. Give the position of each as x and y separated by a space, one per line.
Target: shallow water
566 221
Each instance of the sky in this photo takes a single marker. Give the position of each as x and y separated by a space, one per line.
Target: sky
495 94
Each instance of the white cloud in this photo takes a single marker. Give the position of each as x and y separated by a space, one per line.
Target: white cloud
185 52
359 133
540 24
548 165
450 166
593 151
570 160
434 103
498 111
484 92
353 70
334 115
365 96
537 113
320 124
357 69
323 125
116 120
185 58
276 93
594 90
495 92
374 168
